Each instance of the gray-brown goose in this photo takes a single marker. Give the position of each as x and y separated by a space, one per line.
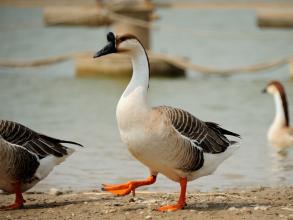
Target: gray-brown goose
27 157
280 134
167 140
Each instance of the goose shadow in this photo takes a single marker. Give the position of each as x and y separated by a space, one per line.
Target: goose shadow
207 206
47 205
217 206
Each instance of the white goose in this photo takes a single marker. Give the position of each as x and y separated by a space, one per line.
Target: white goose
26 157
280 133
167 140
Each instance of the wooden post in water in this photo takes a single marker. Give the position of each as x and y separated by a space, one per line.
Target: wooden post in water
275 18
75 15
141 12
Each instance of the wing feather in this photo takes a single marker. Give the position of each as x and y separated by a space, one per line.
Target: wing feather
37 143
202 137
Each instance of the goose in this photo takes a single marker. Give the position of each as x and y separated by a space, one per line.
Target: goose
27 157
167 140
280 134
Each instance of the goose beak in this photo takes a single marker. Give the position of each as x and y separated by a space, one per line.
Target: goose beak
264 90
109 48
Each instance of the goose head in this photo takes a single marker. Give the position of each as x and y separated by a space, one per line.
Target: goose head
126 43
274 88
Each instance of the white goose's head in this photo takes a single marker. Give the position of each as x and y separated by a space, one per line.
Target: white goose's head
126 43
276 89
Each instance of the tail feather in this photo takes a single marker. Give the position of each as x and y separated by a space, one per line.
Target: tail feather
60 141
223 131
233 142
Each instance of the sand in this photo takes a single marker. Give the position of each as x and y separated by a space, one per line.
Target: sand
246 203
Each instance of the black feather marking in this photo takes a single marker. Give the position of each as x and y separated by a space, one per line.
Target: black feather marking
55 140
201 137
37 143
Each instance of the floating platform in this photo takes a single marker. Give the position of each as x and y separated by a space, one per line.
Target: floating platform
75 16
275 18
118 65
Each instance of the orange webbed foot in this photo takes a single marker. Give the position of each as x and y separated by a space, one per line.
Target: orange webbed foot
171 208
19 201
126 188
181 202
108 187
16 205
118 189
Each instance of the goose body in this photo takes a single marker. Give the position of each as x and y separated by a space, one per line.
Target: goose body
280 134
167 140
27 157
176 148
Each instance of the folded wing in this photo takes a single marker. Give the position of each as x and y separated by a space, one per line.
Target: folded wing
37 143
200 137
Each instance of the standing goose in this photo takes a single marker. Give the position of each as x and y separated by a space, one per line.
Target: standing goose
167 140
27 157
280 133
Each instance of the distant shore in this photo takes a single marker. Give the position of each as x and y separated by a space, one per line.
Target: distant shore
242 203
229 4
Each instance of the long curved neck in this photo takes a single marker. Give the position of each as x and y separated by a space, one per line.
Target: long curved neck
140 77
281 117
132 106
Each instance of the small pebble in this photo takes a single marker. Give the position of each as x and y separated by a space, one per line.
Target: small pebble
244 209
148 217
261 207
132 199
55 192
232 209
151 201
221 197
287 209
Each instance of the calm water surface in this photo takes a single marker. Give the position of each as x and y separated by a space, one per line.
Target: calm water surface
52 101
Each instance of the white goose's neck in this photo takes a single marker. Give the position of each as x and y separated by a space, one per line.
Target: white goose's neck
132 108
140 76
280 118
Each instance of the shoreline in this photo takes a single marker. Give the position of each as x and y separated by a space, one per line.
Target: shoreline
239 203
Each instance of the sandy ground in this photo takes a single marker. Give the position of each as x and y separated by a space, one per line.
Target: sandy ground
250 203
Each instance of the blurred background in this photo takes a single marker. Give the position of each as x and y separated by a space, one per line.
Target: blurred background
211 58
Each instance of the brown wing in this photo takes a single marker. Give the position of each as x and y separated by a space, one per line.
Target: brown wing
209 136
37 143
204 137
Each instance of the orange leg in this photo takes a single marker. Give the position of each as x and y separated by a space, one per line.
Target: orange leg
181 202
126 188
19 201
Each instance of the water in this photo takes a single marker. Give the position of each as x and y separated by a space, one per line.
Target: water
52 101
